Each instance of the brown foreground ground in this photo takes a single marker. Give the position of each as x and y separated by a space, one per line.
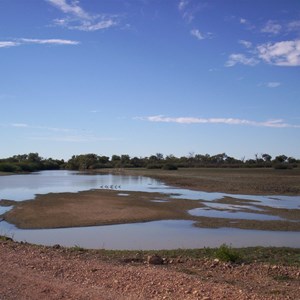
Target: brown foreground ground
38 272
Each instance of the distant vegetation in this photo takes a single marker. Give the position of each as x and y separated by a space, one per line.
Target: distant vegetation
33 162
29 163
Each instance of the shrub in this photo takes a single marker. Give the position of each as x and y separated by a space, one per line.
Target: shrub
169 167
153 166
227 254
282 166
8 167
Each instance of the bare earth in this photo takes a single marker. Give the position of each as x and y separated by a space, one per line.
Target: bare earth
37 272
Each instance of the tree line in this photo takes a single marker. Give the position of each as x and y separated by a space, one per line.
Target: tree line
33 162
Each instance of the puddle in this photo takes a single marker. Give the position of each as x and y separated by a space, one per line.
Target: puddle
123 194
160 201
230 206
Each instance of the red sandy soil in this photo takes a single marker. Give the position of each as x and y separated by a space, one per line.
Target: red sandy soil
39 272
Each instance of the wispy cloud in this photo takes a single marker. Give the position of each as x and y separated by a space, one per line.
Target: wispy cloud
72 8
49 41
246 23
182 4
238 58
293 26
21 125
24 41
190 8
196 33
7 44
28 126
79 19
273 84
272 27
286 53
58 134
279 123
246 44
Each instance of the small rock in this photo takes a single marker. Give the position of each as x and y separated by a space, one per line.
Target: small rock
56 246
155 260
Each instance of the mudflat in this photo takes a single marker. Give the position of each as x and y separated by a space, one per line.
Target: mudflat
102 207
256 181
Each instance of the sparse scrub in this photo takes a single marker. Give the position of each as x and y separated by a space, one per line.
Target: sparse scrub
227 254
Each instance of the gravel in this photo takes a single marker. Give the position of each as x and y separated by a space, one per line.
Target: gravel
39 272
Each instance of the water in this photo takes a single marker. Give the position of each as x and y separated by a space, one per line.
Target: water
24 187
150 235
205 212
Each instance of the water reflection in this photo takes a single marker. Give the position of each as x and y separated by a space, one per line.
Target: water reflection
205 212
153 235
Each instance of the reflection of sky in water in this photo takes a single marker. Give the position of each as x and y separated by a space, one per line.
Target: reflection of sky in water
204 212
152 235
230 206
23 187
4 209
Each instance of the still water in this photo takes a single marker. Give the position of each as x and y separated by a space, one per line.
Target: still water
168 234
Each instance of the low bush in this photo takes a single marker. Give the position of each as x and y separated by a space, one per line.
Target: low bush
170 167
227 254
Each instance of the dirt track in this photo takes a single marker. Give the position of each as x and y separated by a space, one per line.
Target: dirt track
36 272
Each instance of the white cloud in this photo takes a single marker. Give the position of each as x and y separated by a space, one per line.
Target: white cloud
272 27
237 58
182 4
286 53
196 33
20 125
49 41
22 41
89 26
7 44
72 8
273 84
228 121
77 18
246 23
246 44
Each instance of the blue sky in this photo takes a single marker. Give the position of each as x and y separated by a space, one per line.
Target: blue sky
140 77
